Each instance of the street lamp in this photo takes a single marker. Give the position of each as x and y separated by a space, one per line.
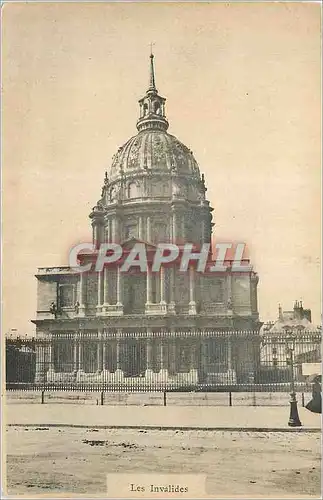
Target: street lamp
294 420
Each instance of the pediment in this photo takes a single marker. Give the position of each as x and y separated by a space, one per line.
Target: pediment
129 244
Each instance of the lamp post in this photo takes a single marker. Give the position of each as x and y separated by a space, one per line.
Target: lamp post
294 420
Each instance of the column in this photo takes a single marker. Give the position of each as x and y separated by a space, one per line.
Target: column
119 305
163 305
105 289
113 230
192 304
118 286
162 284
203 229
110 230
183 235
99 304
174 227
148 229
148 285
82 295
96 235
119 376
106 233
140 228
171 305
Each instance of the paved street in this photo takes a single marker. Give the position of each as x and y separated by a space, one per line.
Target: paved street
196 417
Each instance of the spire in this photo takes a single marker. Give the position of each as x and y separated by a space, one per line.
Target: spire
152 85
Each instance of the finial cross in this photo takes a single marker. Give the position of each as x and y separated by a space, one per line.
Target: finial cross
151 47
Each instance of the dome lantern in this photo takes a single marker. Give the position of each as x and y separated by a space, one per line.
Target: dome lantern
152 106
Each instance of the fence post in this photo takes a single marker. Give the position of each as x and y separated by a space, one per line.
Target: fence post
102 398
303 400
42 397
164 398
230 398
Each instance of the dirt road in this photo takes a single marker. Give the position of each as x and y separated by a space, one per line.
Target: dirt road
236 463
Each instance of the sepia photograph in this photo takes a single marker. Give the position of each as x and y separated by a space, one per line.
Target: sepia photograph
161 249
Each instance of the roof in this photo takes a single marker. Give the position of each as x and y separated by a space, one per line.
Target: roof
292 324
153 150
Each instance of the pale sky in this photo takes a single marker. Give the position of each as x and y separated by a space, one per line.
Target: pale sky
242 83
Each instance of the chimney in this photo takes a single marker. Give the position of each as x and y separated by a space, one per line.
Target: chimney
307 313
297 310
280 313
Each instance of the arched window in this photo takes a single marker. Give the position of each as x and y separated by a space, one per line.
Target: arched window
159 232
113 194
132 190
156 107
131 231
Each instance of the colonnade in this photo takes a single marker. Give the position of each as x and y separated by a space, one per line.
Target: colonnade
163 305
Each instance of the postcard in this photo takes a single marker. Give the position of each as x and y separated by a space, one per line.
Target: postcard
161 242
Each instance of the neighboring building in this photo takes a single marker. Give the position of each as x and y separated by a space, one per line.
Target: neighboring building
307 349
292 321
154 192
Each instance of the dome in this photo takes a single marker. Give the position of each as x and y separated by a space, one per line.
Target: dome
156 151
153 190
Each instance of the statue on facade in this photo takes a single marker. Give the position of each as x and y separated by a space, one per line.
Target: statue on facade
173 166
204 188
53 309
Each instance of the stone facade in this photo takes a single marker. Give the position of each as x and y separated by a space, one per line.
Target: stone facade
153 193
296 322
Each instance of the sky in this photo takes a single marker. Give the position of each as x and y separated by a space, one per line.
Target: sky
242 83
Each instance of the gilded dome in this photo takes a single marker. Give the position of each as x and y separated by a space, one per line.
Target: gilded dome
153 150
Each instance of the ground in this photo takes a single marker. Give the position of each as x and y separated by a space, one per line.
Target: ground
237 463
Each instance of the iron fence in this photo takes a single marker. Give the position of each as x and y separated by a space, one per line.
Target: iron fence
160 361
